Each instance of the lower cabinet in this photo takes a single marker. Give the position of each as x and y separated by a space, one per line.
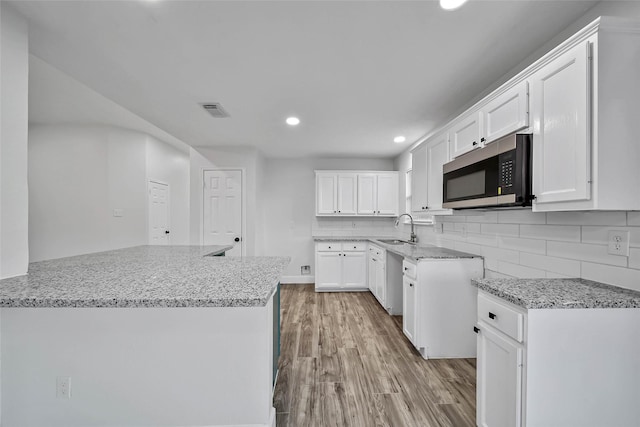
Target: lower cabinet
377 268
341 266
570 367
439 302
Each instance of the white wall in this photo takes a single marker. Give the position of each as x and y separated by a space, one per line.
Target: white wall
249 159
14 68
289 209
79 174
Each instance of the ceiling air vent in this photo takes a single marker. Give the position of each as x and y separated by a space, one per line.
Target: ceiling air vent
215 109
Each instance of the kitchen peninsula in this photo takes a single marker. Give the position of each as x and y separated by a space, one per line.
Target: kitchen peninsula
150 335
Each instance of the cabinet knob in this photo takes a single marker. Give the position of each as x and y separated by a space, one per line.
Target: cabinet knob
329 247
339 211
411 285
492 316
474 143
476 330
405 269
482 139
355 247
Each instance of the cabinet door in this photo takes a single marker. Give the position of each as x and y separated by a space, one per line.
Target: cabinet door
354 270
328 270
560 108
465 134
499 376
409 309
381 282
419 178
347 184
437 155
371 273
387 194
326 187
507 113
367 194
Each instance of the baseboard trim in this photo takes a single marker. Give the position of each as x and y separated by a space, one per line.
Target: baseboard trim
303 280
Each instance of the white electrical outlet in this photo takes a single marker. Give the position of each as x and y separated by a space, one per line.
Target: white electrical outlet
619 242
63 387
118 213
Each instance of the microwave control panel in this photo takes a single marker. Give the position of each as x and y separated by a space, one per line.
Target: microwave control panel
506 172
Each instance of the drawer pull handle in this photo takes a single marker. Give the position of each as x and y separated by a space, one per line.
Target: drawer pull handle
406 268
411 285
492 316
476 330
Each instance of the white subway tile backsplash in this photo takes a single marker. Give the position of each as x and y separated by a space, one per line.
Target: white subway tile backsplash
600 234
633 218
551 275
551 232
490 274
501 229
563 266
493 255
634 258
517 270
523 245
482 239
587 218
523 216
483 217
585 252
468 248
623 277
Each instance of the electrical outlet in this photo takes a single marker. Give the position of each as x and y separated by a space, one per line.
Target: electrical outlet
353 224
118 212
619 242
63 387
463 230
305 269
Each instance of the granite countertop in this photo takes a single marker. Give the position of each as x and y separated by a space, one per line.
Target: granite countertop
415 252
147 276
559 293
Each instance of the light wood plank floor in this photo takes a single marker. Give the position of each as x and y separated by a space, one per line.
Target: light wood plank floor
345 362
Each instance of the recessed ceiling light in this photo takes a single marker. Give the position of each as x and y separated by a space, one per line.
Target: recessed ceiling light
292 121
451 4
399 139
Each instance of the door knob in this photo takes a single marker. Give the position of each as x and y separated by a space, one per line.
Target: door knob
166 231
237 239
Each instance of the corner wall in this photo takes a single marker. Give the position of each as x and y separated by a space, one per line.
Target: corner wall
14 203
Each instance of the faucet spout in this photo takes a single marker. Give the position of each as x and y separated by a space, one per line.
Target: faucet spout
413 238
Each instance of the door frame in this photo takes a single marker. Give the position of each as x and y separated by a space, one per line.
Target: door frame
243 199
157 181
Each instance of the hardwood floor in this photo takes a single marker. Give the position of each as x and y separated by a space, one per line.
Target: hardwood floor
345 362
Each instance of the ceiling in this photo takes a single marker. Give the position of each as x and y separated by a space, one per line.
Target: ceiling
357 73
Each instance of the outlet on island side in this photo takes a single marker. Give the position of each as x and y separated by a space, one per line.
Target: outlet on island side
63 387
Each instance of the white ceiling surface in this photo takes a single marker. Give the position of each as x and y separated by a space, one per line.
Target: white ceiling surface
357 73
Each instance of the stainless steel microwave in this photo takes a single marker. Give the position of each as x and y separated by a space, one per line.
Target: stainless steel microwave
498 175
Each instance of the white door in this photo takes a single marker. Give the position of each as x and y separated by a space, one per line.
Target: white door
387 194
329 270
367 194
223 209
465 134
347 184
507 113
371 272
419 179
560 111
409 309
158 213
499 388
381 282
437 156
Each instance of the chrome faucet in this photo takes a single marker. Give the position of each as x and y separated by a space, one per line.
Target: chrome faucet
413 238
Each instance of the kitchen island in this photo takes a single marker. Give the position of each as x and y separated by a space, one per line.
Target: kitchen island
151 335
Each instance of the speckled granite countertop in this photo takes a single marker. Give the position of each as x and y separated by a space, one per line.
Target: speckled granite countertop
147 276
415 252
560 293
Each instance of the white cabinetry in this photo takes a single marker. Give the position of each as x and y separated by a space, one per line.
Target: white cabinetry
562 366
584 105
335 193
341 266
377 268
348 193
444 305
409 300
426 180
498 115
378 194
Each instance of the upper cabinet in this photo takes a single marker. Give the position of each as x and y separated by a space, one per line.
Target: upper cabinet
426 181
378 194
584 107
349 193
502 114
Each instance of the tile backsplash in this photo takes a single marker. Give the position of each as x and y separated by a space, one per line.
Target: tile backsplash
521 243
355 226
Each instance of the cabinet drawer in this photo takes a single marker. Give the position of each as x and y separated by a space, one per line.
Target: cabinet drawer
354 246
329 246
501 317
409 269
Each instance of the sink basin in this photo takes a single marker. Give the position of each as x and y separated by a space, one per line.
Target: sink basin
395 242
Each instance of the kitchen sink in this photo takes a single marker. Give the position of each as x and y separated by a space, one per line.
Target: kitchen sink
395 242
